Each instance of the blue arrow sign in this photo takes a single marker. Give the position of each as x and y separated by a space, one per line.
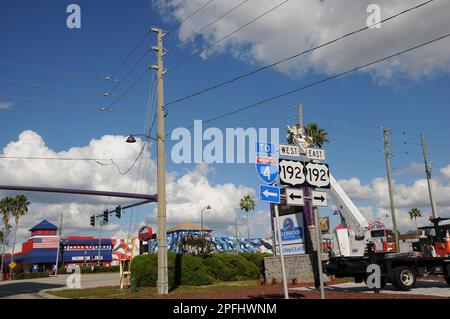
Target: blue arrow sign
267 169
269 194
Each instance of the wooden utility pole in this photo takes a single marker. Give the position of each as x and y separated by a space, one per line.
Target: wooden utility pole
428 173
388 155
59 243
300 114
163 282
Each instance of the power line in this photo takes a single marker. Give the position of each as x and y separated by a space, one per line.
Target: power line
69 105
321 81
209 24
190 16
228 35
129 88
47 86
60 158
242 76
47 69
130 54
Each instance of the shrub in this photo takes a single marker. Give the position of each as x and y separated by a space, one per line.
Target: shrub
257 259
225 267
31 275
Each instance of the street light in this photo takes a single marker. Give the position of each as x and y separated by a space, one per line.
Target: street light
201 213
132 137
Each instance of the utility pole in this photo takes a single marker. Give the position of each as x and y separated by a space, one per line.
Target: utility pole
388 155
428 173
163 280
59 243
280 246
99 242
300 116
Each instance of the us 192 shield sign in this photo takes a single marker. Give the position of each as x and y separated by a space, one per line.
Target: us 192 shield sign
267 168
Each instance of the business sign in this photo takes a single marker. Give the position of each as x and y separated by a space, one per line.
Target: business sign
292 234
289 150
291 172
265 149
267 168
317 175
315 154
269 194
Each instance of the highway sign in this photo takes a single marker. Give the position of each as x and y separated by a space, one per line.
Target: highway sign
317 175
289 150
315 154
319 199
267 168
291 172
265 149
269 194
294 197
12 264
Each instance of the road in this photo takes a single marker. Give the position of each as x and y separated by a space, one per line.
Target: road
424 287
29 288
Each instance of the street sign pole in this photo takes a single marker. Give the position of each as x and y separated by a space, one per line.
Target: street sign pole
59 244
280 245
319 253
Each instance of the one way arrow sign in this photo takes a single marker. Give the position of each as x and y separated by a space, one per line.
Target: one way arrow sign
294 197
319 199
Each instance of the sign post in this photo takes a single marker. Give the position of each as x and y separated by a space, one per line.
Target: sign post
280 243
319 253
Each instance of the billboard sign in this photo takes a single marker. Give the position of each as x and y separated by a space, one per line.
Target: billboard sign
292 234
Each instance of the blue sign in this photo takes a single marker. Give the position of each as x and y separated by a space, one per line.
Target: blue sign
269 194
264 148
267 168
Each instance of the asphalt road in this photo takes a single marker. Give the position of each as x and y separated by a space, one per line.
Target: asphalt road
29 288
424 287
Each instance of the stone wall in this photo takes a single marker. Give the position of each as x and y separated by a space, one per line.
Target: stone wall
298 267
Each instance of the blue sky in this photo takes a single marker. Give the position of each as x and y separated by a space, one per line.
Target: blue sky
35 33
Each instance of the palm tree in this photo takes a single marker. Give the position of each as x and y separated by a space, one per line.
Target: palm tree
315 134
414 213
318 135
19 208
5 210
247 204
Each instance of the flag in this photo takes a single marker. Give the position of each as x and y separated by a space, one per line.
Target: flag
46 242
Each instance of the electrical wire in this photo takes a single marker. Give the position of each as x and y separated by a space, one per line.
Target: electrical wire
129 88
47 86
189 16
265 101
70 105
209 24
197 52
268 66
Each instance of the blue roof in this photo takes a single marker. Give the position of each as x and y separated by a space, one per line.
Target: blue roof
44 225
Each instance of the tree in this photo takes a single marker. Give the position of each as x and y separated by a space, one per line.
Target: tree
19 208
414 213
318 135
7 234
5 210
314 134
247 204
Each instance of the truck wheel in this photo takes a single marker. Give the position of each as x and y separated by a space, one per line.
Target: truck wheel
404 278
447 279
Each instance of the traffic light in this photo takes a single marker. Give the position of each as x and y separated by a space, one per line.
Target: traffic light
105 216
118 211
93 220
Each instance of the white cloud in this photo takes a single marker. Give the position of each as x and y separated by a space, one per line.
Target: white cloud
187 194
5 105
299 25
355 189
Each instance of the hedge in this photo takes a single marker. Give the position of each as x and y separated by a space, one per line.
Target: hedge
31 275
88 270
186 269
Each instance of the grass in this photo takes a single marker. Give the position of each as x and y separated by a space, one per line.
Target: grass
149 292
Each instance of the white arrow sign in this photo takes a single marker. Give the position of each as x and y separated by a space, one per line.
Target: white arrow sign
294 197
319 199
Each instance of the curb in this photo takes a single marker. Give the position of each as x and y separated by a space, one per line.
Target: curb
43 293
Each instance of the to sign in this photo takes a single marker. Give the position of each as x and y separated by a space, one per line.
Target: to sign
315 154
319 199
267 169
294 197
317 175
291 172
264 148
289 150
